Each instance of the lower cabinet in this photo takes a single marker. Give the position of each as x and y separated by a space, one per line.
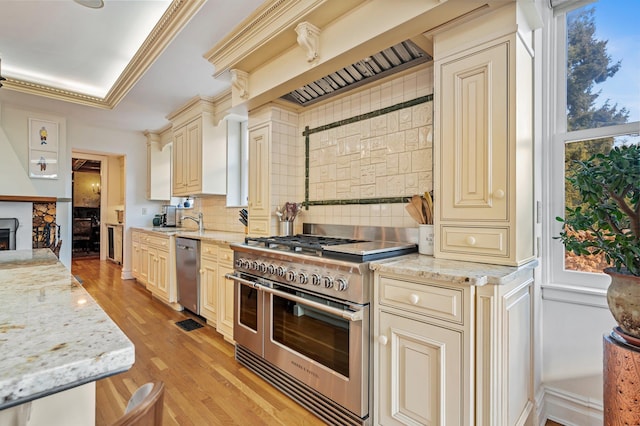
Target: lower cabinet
153 264
216 291
452 354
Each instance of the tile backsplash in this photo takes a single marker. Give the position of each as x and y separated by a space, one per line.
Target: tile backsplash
388 155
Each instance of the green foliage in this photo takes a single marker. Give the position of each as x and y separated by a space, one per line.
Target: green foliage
588 64
609 210
576 152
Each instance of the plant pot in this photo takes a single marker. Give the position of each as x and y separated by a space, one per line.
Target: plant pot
623 297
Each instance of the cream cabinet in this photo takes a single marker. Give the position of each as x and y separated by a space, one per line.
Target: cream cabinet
209 282
216 291
449 353
422 362
153 264
199 150
224 322
260 180
158 166
483 148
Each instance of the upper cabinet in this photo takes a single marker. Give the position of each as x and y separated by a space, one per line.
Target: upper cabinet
199 150
158 165
484 140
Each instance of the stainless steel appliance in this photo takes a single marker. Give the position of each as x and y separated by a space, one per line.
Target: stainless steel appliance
169 215
188 273
302 313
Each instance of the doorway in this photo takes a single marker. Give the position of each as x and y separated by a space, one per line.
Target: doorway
86 185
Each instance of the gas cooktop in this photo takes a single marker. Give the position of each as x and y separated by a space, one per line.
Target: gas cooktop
349 249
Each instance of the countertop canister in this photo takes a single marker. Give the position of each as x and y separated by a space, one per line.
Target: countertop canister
425 242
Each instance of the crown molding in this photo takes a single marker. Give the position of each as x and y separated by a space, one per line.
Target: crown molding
172 21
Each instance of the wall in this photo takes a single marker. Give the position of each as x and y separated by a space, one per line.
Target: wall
85 185
382 149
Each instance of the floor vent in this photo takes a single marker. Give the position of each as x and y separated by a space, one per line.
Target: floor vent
189 324
323 407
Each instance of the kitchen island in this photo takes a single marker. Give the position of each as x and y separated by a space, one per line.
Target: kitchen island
55 342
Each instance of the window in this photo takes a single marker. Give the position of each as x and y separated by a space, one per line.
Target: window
598 106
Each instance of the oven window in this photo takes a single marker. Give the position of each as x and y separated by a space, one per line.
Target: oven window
249 307
317 335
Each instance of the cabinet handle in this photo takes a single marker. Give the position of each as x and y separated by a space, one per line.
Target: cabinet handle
383 340
414 299
499 194
471 240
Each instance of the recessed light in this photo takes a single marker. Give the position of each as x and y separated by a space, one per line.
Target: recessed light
94 4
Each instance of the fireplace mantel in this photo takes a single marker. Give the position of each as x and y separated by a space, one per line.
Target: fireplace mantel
28 199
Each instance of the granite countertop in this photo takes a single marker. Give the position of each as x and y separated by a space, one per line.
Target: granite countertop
53 335
455 271
222 237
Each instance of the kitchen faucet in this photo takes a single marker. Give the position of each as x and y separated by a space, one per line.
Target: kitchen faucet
199 220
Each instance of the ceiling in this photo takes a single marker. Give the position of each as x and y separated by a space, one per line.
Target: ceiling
124 66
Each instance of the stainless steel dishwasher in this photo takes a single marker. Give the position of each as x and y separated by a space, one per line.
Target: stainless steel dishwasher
188 273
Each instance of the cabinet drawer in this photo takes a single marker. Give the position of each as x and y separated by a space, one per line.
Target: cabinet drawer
437 302
209 251
159 242
259 226
225 256
480 241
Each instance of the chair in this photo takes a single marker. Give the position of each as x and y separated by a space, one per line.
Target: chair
145 406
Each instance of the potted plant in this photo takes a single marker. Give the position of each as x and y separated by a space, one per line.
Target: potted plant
609 188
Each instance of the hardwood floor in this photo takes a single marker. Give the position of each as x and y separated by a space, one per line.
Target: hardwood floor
204 384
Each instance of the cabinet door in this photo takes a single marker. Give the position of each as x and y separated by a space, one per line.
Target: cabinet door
144 263
135 260
152 269
162 273
209 290
179 159
474 140
259 172
193 157
421 373
224 323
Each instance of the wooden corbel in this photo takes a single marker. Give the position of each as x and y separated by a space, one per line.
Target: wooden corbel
309 39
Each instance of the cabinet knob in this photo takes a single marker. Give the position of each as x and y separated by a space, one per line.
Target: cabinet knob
499 194
471 240
414 299
383 340
201 271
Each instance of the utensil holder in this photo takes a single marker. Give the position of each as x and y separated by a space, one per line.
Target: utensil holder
425 241
286 228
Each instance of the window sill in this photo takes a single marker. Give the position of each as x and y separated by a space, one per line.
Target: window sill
576 295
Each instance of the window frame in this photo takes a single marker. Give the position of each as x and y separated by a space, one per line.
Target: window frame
559 137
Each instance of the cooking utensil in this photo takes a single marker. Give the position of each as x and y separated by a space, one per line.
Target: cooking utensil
413 212
428 208
416 201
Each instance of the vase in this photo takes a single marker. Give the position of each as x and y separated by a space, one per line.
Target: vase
623 297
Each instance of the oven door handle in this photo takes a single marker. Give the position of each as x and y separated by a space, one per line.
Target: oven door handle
348 315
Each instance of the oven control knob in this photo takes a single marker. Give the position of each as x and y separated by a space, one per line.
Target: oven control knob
281 271
262 267
303 278
327 281
291 276
315 279
341 284
254 265
271 269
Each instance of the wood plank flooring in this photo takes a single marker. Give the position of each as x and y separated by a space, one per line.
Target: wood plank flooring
204 384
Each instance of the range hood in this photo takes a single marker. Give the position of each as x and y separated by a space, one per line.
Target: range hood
391 60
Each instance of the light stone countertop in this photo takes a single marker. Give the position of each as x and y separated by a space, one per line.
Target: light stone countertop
53 334
220 237
454 271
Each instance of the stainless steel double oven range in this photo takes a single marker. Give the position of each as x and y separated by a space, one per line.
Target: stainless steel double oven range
302 313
